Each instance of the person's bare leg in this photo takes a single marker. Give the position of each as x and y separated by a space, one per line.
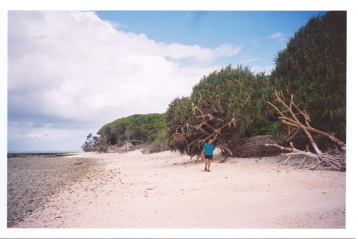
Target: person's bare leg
208 164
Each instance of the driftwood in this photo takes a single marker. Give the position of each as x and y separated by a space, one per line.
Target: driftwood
335 159
227 137
190 138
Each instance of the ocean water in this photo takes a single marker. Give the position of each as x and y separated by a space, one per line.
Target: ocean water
45 152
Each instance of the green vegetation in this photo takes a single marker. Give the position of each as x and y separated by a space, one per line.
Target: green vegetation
231 103
313 68
136 129
229 95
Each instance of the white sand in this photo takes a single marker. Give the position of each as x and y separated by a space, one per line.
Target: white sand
167 190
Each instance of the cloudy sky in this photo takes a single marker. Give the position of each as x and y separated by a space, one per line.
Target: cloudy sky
71 72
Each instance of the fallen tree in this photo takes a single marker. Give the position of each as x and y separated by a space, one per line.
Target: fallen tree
228 106
190 139
334 158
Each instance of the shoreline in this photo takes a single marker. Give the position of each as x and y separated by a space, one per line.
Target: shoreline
168 190
34 178
22 155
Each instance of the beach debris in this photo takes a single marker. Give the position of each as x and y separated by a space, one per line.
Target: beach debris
224 132
333 158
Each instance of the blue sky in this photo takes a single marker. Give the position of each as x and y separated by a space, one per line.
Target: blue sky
71 72
260 34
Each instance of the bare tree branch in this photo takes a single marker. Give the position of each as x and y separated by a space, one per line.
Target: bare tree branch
335 161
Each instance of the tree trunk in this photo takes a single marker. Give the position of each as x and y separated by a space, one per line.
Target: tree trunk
335 159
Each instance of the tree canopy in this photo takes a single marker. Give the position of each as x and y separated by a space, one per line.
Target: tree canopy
313 68
136 129
231 104
223 106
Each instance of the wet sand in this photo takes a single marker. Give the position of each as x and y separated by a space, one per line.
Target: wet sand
34 178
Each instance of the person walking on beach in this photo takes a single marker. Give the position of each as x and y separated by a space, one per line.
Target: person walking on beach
208 152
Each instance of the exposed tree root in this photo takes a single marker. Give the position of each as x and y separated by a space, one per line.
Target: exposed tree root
335 159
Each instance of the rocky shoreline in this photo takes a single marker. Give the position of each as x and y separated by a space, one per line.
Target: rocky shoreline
33 178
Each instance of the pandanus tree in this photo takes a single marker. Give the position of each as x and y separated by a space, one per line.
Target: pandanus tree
222 107
313 68
230 104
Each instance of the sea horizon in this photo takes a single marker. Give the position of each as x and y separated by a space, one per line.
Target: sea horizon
44 151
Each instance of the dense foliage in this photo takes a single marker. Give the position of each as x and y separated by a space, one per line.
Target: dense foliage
313 68
231 103
230 95
136 129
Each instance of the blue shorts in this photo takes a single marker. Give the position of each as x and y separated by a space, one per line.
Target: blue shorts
208 156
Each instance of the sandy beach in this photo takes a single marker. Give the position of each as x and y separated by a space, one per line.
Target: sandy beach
168 190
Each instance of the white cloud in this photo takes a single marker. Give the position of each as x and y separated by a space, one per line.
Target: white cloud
227 50
266 69
278 36
73 66
25 137
250 60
